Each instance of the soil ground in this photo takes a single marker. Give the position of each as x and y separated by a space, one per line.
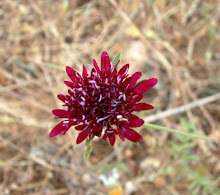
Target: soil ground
176 41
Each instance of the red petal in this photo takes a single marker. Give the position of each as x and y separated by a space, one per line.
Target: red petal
117 64
114 72
96 66
84 73
142 106
81 127
123 71
62 97
137 98
145 86
105 136
61 127
132 135
71 92
97 130
82 136
134 79
126 82
111 137
61 113
74 76
135 121
121 134
69 84
105 62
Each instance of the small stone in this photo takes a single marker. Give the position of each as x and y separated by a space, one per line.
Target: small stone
149 162
88 179
130 188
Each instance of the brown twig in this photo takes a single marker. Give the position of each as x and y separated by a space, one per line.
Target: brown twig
183 108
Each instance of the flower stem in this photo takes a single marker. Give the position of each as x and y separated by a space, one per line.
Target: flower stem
161 128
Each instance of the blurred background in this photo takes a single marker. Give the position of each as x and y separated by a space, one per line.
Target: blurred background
176 41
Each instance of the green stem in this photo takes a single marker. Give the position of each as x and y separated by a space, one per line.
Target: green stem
161 128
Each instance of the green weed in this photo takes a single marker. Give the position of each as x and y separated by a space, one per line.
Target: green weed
187 164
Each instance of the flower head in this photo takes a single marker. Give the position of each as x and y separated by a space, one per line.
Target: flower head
102 102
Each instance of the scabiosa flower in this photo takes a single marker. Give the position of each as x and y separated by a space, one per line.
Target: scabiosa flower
103 102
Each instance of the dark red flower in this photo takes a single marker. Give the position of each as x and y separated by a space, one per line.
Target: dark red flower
102 102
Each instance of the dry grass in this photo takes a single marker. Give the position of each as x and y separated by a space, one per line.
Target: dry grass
174 41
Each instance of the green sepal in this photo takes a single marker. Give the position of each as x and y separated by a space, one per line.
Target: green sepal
116 59
138 82
87 142
87 152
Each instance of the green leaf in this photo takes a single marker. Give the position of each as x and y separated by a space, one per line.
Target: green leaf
173 144
116 59
196 189
87 152
187 125
188 145
25 66
190 157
